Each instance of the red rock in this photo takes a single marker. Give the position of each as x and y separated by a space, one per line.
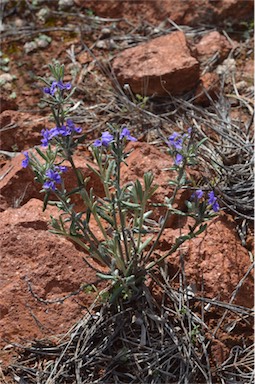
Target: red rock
162 66
6 103
215 260
19 131
211 44
54 267
209 85
17 184
190 12
235 10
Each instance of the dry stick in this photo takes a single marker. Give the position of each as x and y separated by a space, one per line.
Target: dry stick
61 299
37 321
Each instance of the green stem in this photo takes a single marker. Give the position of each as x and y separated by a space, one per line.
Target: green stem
168 213
143 205
86 199
118 194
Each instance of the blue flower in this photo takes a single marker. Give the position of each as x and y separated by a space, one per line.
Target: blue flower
198 194
56 84
47 135
52 89
53 177
105 140
213 201
178 159
64 130
25 162
60 168
175 140
49 184
63 86
126 133
72 127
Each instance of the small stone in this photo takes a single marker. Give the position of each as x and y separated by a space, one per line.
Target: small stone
64 4
19 22
102 44
105 32
43 14
6 78
213 43
7 86
30 46
42 43
227 67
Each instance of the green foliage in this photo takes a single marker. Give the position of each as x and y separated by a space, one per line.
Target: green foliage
128 237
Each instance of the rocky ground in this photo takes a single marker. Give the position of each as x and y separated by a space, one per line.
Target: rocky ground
158 66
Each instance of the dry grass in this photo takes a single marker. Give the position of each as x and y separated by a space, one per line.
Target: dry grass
142 341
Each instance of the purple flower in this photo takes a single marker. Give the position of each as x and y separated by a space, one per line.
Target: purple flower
64 130
198 194
56 84
25 162
105 140
63 86
47 135
97 143
72 127
49 184
52 89
175 140
126 133
213 201
178 159
60 168
189 130
53 177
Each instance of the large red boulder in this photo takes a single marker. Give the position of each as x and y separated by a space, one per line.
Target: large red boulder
162 66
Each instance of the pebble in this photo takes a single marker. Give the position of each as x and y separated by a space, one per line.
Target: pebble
228 66
64 4
41 43
43 14
105 32
30 46
6 78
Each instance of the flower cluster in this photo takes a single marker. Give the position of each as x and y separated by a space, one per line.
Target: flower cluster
176 141
56 85
106 138
53 177
212 199
64 130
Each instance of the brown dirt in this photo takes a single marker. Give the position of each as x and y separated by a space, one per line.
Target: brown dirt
30 255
